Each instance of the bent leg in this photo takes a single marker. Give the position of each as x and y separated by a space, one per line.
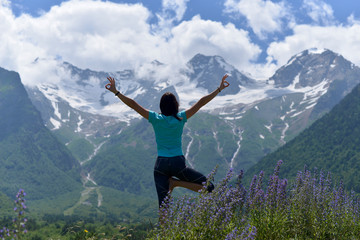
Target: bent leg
192 179
189 185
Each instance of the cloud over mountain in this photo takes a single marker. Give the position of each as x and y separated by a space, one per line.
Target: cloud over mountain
254 36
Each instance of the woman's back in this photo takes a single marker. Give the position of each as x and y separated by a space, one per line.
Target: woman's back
168 133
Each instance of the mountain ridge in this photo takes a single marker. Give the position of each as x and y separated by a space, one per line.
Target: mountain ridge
28 147
329 144
276 109
235 130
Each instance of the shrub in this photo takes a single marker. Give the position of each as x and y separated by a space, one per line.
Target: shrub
311 208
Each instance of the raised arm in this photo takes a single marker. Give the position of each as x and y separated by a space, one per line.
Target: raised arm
128 101
204 100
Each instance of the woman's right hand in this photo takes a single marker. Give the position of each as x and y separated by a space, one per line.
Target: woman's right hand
111 86
224 83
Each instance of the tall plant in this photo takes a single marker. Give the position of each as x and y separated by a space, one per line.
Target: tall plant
19 221
311 208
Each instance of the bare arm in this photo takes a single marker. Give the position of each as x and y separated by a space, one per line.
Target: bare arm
204 100
128 101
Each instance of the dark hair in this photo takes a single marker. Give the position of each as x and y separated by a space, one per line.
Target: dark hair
169 106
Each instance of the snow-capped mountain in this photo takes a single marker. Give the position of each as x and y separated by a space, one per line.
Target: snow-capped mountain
311 67
323 77
245 122
206 71
268 113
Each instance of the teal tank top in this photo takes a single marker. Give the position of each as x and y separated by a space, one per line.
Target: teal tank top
168 133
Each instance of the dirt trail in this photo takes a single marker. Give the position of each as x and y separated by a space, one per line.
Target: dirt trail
90 187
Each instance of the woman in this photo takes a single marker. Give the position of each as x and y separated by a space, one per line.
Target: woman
168 127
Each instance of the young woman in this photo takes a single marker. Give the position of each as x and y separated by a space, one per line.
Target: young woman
168 126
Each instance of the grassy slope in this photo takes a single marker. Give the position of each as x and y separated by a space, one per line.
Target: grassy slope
331 144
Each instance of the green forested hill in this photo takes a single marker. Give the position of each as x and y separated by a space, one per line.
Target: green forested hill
6 205
126 161
331 144
30 156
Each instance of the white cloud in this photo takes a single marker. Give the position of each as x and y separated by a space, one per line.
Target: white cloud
172 12
263 16
94 34
206 37
351 20
212 38
108 36
341 39
89 34
319 11
177 6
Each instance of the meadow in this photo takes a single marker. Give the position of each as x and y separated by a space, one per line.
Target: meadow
310 207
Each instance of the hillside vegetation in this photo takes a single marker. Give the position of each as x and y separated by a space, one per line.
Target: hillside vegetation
30 156
330 144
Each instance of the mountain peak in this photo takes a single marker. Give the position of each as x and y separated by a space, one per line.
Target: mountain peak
156 63
207 71
309 68
308 53
199 57
316 50
200 60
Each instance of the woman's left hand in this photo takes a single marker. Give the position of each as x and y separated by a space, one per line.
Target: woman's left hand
111 86
224 83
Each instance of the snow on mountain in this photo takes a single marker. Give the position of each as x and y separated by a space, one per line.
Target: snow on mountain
84 90
206 72
245 122
311 67
310 73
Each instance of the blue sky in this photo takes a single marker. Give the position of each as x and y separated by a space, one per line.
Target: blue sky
255 36
342 9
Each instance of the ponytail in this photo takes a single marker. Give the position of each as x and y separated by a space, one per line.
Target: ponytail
169 106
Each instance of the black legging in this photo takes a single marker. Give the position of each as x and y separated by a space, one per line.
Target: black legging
166 167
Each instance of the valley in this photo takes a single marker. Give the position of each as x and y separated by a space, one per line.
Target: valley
113 151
